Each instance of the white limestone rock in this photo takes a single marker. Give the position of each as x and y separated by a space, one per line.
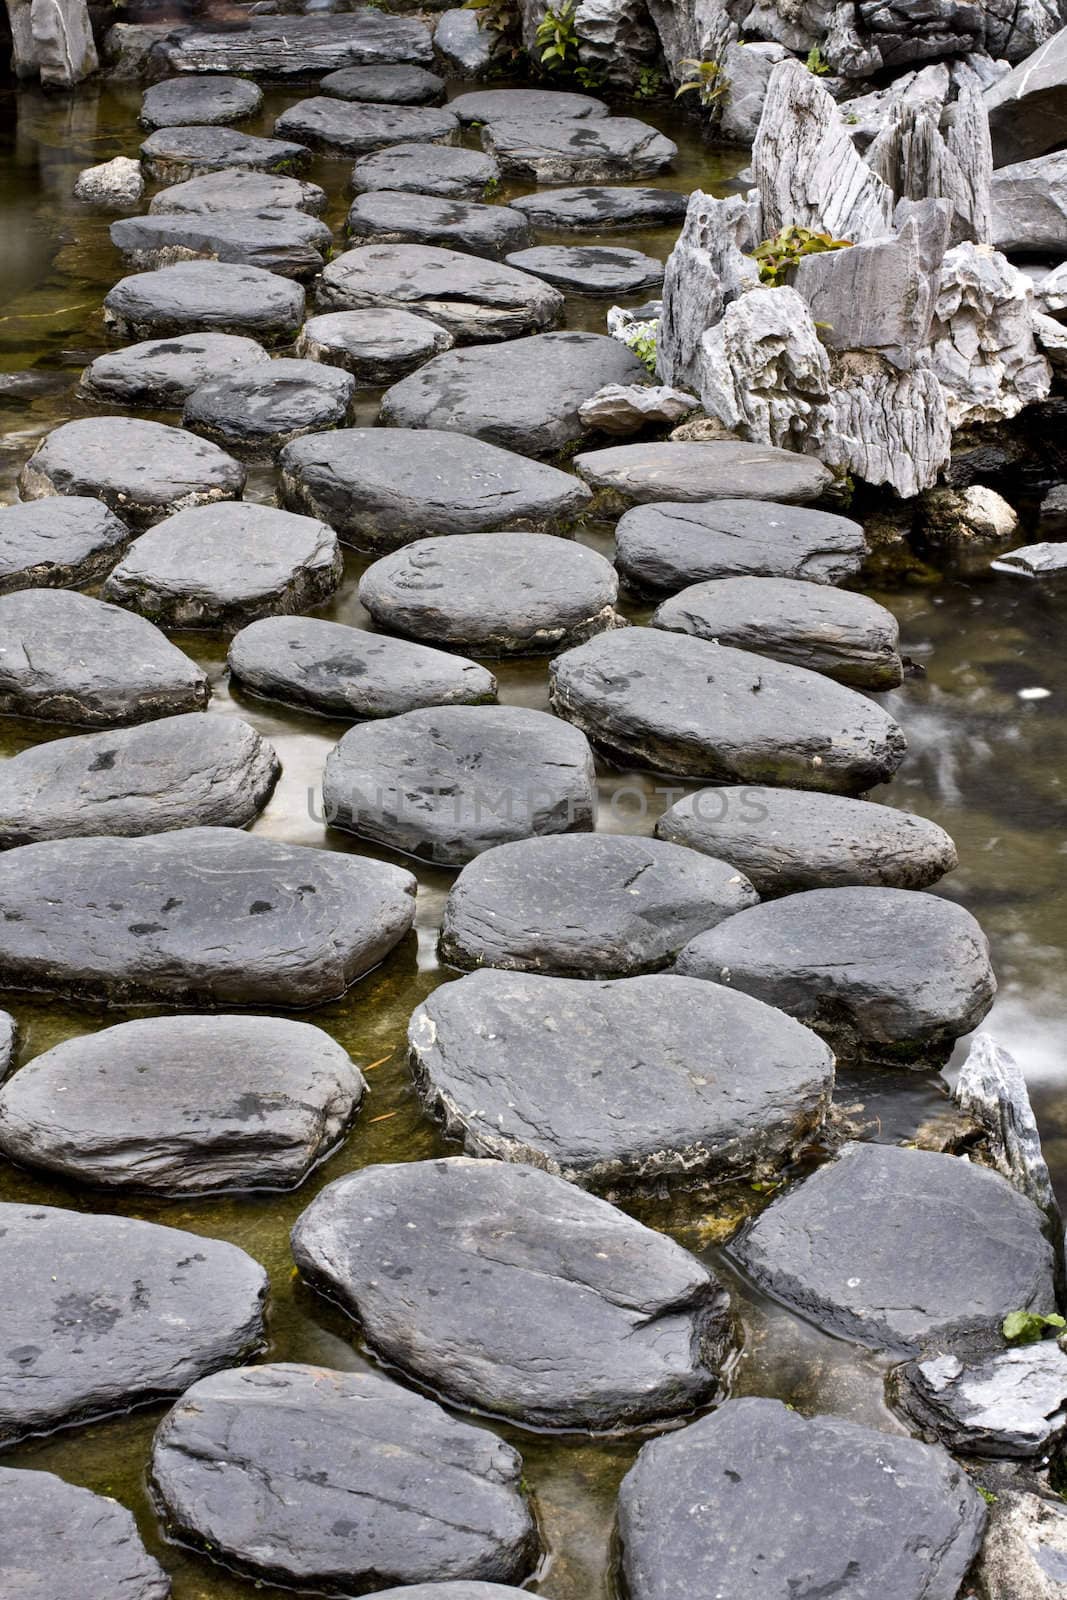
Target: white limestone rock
888 427
919 162
708 268
984 351
113 184
765 375
624 408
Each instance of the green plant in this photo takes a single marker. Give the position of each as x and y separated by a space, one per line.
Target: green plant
491 189
850 117
708 81
815 62
1027 1327
649 83
498 16
987 1494
776 256
589 78
557 38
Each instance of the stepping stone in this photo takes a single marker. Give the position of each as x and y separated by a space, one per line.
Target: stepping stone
67 658
1011 1403
384 487
161 373
586 905
58 543
183 1105
61 1542
336 1480
202 917
390 216
448 782
582 1318
786 839
205 296
636 474
223 566
495 594
665 1076
350 673
235 189
172 155
104 1313
1044 564
445 170
473 299
254 411
302 47
590 269
188 771
845 636
524 395
549 105
188 101
376 347
704 711
811 1504
601 208
669 547
545 150
290 243
881 971
344 128
385 85
839 1247
142 470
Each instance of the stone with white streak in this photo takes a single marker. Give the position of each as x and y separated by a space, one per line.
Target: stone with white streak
1028 109
52 40
1012 1403
624 408
764 374
918 161
984 351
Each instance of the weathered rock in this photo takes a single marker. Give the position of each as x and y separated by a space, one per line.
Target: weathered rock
920 163
257 409
205 296
345 128
61 1542
1028 109
376 347
984 352
1043 564
1011 1403
1051 338
1030 206
388 216
303 47
709 267
287 242
1025 1552
746 74
386 85
600 207
877 296
58 543
465 49
445 170
452 1591
888 426
577 151
112 184
624 409
160 374
635 474
236 189
210 100
582 1317
52 42
764 373
540 105
8 1042
590 269
171 155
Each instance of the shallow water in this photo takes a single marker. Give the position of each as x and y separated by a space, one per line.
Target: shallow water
985 761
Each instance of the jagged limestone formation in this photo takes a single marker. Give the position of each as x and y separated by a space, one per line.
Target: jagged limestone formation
765 375
984 348
52 40
707 269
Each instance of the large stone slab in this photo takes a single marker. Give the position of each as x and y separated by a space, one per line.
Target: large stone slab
637 474
211 99
445 170
288 242
588 150
257 409
61 1542
1010 1403
376 347
1030 206
385 85
160 374
59 543
237 189
171 155
542 105
391 216
582 1317
303 47
1028 108
200 296
344 128
590 269
601 207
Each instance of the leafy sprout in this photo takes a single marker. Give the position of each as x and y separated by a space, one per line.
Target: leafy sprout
790 244
1027 1327
708 81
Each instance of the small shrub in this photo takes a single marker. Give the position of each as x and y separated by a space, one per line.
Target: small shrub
708 81
776 256
815 62
1027 1327
649 83
557 39
497 16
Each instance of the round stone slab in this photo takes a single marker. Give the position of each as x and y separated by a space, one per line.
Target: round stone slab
587 150
445 170
345 128
596 905
59 543
840 1247
810 1504
205 916
105 1313
256 410
385 85
882 970
287 242
590 269
348 672
188 101
582 1318
161 373
631 474
336 1480
495 594
60 1542
447 783
67 658
199 296
786 839
1010 1403
391 216
376 347
601 208
698 710
142 470
174 154
236 189
551 105
183 1105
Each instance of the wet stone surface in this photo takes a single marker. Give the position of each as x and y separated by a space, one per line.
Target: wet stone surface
288 242
395 217
599 207
346 128
160 374
191 100
376 347
58 543
549 105
303 46
639 474
171 155
61 1542
1012 1403
577 151
590 269
387 85
238 189
446 170
199 296
255 411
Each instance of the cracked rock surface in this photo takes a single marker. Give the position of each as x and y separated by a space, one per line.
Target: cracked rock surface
58 543
1011 1403
61 1542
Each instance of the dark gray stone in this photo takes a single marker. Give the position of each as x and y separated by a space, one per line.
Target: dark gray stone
61 1542
104 1313
1028 108
254 411
602 208
452 1591
160 374
581 1317
391 216
172 155
58 543
673 470
586 151
339 1480
302 47
205 296
376 347
344 128
188 101
445 170
386 85
463 47
236 189
287 242
590 269
1011 1403
541 105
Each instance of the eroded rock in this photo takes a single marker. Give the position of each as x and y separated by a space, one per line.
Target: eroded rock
58 543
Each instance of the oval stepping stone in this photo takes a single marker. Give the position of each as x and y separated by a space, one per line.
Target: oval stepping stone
199 296
473 299
105 1313
445 170
343 127
223 566
449 782
287 242
390 216
183 1105
634 474
698 710
61 1542
586 905
336 1480
172 155
840 1247
236 189
59 543
589 150
600 207
302 47
582 1317
496 594
142 470
162 373
786 839
376 347
67 658
1011 1403
386 85
256 410
809 1503
551 105
589 268
383 487
189 101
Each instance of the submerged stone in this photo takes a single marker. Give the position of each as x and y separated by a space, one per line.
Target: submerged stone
59 543
673 470
190 100
445 170
346 128
256 410
288 242
199 296
590 268
385 84
376 347
160 374
599 207
392 216
62 1542
547 150
1010 1403
237 189
174 154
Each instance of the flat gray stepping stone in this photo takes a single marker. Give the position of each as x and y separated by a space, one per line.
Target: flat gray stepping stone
589 150
586 905
171 155
590 268
105 1313
58 543
61 1542
336 1480
445 170
448 782
223 566
256 410
636 474
303 47
524 395
385 85
67 658
884 971
391 216
290 243
1010 1403
188 101
698 710
179 772
551 105
848 637
162 373
495 594
205 916
236 189
810 1504
183 1105
383 487
601 207
142 470
1045 565
667 546
343 127
205 296
582 1318
376 347
473 299
839 1247
789 839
